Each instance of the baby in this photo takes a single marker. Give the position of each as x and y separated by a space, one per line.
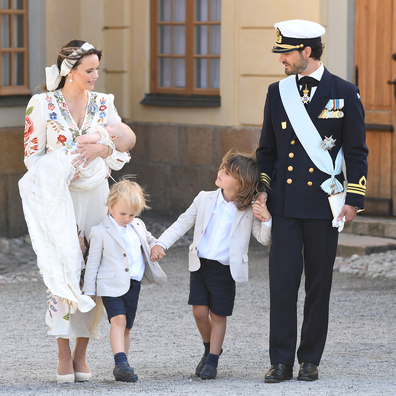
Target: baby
118 136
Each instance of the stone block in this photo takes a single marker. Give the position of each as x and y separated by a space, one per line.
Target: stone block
140 152
236 139
155 179
185 186
11 151
208 177
183 144
16 220
216 150
164 143
200 145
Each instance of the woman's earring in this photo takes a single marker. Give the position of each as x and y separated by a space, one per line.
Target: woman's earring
71 80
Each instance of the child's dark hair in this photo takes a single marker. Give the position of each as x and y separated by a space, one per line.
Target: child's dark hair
246 169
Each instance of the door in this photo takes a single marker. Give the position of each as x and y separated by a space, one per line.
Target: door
375 75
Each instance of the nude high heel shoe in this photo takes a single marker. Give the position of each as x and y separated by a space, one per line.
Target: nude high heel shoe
62 379
82 377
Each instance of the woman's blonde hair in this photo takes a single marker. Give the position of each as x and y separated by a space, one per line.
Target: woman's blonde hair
246 169
131 192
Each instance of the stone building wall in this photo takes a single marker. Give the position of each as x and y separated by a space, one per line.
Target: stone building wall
176 161
12 168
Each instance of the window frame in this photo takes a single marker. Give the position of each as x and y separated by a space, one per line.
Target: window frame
16 89
189 56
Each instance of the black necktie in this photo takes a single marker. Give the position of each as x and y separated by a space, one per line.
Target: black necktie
306 85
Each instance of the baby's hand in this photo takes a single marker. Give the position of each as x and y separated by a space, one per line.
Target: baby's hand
157 253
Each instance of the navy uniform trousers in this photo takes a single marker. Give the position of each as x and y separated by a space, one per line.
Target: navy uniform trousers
296 244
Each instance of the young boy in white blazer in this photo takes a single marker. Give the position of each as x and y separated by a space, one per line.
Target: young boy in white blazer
118 262
218 256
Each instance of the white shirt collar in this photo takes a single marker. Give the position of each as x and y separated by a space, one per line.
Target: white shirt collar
317 74
117 226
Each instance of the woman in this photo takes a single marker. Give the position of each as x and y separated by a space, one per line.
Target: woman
67 109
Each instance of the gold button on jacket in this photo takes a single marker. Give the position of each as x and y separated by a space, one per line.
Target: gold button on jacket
289 181
289 168
309 183
291 155
293 142
311 170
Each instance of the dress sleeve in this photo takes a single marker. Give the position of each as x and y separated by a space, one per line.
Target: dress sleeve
112 114
34 139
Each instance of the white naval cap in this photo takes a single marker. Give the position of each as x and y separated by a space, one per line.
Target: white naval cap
297 33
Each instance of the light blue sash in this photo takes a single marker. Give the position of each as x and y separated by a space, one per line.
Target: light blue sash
309 135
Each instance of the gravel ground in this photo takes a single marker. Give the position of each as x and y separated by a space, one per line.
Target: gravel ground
359 358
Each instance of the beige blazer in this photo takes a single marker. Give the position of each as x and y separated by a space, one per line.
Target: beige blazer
243 225
107 270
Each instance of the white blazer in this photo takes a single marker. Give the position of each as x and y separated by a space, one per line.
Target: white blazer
243 225
107 269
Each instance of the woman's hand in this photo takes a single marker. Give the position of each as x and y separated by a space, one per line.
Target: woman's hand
87 153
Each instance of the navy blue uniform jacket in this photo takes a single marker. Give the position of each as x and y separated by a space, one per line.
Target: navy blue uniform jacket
295 180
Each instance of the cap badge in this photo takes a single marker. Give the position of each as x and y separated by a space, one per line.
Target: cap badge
278 36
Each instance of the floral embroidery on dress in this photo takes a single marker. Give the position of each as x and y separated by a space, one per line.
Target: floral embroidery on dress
61 139
73 128
102 112
29 145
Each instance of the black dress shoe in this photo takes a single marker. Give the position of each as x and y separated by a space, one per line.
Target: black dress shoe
308 372
279 372
123 372
201 364
208 372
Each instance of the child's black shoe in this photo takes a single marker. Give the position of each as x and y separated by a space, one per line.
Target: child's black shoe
123 372
208 372
201 365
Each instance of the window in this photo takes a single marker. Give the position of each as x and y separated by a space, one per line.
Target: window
13 47
185 47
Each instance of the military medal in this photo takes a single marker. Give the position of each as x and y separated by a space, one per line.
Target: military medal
305 97
328 143
92 107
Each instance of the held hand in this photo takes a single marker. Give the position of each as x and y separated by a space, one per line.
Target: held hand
88 153
349 212
157 253
261 202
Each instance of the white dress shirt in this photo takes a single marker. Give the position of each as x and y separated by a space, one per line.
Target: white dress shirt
133 248
317 74
215 242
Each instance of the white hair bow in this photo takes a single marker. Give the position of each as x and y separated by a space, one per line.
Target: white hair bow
53 75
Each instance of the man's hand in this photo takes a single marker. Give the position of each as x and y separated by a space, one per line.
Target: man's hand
349 212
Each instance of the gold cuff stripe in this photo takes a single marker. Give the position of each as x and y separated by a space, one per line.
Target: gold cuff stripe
287 46
360 186
356 191
265 178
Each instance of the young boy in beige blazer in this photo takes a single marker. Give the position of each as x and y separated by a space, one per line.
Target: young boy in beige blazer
118 262
218 256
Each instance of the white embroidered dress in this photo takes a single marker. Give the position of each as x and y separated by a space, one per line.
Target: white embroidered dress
57 240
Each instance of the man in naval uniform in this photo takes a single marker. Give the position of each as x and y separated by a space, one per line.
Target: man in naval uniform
312 120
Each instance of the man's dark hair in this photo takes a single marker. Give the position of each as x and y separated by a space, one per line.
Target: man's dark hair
316 52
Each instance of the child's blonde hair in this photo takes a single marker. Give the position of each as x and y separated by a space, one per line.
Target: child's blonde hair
131 192
246 169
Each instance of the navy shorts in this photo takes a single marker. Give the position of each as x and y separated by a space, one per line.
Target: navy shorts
124 305
212 285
